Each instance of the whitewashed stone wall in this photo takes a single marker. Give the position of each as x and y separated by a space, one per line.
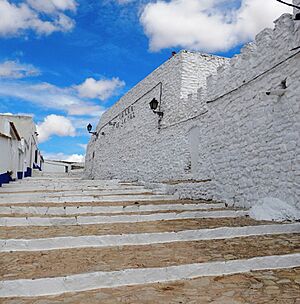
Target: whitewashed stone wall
296 2
249 142
237 143
135 144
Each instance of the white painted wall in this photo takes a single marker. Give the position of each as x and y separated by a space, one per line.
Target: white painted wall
133 147
194 141
55 167
27 130
296 2
4 154
17 155
248 142
9 149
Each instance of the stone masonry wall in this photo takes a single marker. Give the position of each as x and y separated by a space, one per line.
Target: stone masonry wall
235 142
133 142
249 141
296 2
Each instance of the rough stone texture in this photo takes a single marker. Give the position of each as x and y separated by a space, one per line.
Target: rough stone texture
138 145
244 144
22 215
259 287
249 141
126 228
296 2
110 203
55 263
262 287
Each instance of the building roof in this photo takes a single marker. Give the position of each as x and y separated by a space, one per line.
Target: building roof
24 124
12 125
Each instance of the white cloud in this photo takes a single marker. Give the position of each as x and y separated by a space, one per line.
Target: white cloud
61 156
76 158
206 25
51 97
40 16
14 69
52 6
6 113
55 125
101 89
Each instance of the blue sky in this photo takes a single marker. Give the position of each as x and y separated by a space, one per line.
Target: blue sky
66 61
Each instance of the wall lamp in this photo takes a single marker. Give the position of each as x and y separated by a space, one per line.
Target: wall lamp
153 106
89 128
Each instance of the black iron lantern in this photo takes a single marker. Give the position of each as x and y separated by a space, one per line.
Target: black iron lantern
89 128
154 105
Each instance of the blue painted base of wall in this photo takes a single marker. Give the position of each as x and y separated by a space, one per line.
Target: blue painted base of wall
37 167
28 172
5 178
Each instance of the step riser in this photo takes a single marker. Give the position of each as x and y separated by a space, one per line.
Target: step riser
68 188
127 198
106 209
97 280
88 220
144 238
125 226
70 194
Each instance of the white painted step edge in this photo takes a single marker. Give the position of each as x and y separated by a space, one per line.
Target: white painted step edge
66 188
90 199
88 220
144 238
74 193
106 209
97 280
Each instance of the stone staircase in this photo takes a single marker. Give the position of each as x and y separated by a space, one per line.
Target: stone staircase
67 240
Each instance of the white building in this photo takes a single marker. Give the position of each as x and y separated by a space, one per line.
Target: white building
229 129
19 153
56 166
60 166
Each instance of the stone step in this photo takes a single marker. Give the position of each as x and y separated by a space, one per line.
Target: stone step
223 233
25 265
71 188
89 199
80 210
69 179
263 286
36 232
122 203
107 214
56 183
84 193
66 236
33 180
98 219
137 276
